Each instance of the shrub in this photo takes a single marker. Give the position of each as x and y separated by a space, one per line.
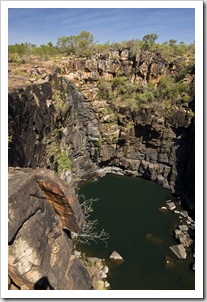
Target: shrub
119 82
9 140
64 163
98 143
104 87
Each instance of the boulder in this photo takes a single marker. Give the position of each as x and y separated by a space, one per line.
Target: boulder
184 214
170 205
179 251
183 228
116 256
106 284
105 269
42 213
183 237
98 273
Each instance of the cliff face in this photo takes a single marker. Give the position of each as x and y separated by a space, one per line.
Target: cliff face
62 123
42 212
67 116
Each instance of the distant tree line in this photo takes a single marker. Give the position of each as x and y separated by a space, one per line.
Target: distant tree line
83 45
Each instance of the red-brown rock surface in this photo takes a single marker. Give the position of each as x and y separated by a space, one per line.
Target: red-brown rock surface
41 206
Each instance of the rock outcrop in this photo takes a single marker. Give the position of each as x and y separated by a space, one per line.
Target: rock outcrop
179 251
42 213
65 114
61 123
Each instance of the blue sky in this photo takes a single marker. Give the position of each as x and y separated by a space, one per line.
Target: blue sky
40 26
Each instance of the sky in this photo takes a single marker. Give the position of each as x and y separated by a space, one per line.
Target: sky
43 25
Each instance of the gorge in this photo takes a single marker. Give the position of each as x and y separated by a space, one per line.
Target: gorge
81 121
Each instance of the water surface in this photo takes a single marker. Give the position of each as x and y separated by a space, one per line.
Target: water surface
128 209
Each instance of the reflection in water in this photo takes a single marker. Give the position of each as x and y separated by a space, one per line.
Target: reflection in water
128 209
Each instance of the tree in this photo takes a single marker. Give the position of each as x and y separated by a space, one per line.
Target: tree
89 231
149 40
78 45
64 44
84 40
172 42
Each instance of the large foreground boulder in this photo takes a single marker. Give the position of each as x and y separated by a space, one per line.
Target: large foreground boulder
42 213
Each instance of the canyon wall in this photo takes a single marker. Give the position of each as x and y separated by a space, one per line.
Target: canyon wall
66 113
62 123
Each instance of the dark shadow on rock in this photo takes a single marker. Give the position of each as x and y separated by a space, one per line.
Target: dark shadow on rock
43 284
185 182
68 233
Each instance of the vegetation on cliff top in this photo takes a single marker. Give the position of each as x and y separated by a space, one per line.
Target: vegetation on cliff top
83 45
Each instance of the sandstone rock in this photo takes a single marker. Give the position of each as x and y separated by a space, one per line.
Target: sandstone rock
24 287
105 269
170 205
151 155
183 228
160 179
177 233
163 158
41 206
102 275
179 251
184 213
106 284
116 256
99 285
13 287
98 271
143 166
124 55
77 276
185 240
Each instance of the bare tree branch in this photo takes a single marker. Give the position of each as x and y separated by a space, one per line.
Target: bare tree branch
89 230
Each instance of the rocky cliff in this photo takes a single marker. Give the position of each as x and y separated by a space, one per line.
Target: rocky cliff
42 213
67 117
79 121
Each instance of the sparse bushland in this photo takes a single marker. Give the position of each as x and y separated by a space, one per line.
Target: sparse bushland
105 89
83 45
123 93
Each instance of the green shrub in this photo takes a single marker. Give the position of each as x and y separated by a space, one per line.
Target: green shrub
64 163
119 82
98 143
9 140
59 103
105 91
